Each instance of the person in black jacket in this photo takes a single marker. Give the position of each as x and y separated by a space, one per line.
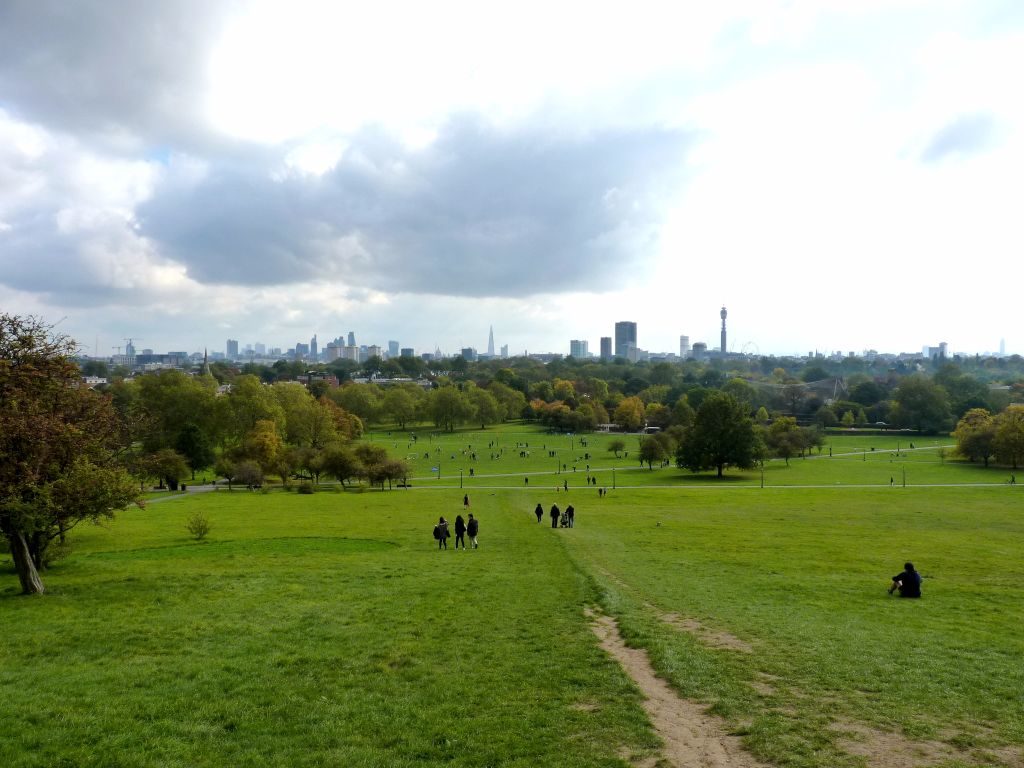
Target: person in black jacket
460 531
570 513
908 583
472 528
554 515
539 512
442 533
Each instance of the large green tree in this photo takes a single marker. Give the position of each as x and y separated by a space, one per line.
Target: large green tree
922 404
1009 441
59 446
975 435
722 436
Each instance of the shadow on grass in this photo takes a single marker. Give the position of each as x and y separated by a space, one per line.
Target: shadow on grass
709 478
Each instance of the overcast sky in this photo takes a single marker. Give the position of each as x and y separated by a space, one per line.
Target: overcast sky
841 175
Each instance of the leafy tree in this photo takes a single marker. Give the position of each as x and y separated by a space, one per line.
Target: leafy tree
1009 442
762 415
168 465
616 446
654 449
867 393
362 400
263 445
658 415
511 400
682 412
249 473
59 447
193 444
722 435
448 407
785 439
249 402
629 414
485 407
922 405
975 435
340 462
400 405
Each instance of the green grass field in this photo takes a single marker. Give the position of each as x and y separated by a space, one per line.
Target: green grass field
327 629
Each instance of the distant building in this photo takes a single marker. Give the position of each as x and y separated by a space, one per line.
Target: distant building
579 349
490 342
408 352
392 349
350 352
684 347
332 351
723 314
700 351
606 347
625 335
351 338
373 351
936 353
232 349
301 351
314 351
504 351
469 354
261 349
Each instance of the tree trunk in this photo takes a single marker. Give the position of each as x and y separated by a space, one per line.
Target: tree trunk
720 467
31 584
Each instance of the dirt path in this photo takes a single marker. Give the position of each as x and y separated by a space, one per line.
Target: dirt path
693 739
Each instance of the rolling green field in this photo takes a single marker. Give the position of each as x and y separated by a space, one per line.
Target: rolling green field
327 629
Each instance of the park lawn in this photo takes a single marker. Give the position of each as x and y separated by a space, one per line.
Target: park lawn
800 575
326 628
319 629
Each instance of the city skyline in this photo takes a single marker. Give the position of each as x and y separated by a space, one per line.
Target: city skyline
829 172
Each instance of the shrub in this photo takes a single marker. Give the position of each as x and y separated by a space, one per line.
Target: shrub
306 488
198 526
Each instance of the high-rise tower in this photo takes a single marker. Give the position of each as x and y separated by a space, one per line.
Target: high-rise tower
625 337
490 343
723 314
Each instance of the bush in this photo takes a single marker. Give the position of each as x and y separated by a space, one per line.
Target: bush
306 488
198 526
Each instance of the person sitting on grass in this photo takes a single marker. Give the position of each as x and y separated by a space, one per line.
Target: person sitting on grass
908 583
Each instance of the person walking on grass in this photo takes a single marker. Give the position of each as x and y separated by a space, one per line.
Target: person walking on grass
539 512
441 533
554 515
570 513
465 501
907 583
460 531
472 528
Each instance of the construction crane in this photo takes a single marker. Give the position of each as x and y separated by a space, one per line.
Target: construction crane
118 349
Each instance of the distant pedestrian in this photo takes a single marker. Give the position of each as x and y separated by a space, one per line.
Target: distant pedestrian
441 533
460 531
565 484
465 501
526 481
570 512
472 528
891 481
554 515
907 583
539 512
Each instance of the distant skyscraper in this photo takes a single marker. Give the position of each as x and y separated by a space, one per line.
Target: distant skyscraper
723 315
625 336
408 352
684 346
261 349
314 352
469 354
232 349
351 338
606 347
1002 347
490 343
578 349
504 351
392 349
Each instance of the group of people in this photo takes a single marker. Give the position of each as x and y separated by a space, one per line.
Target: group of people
463 528
566 519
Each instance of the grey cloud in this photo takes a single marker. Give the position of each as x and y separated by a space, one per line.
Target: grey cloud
965 135
481 212
110 69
